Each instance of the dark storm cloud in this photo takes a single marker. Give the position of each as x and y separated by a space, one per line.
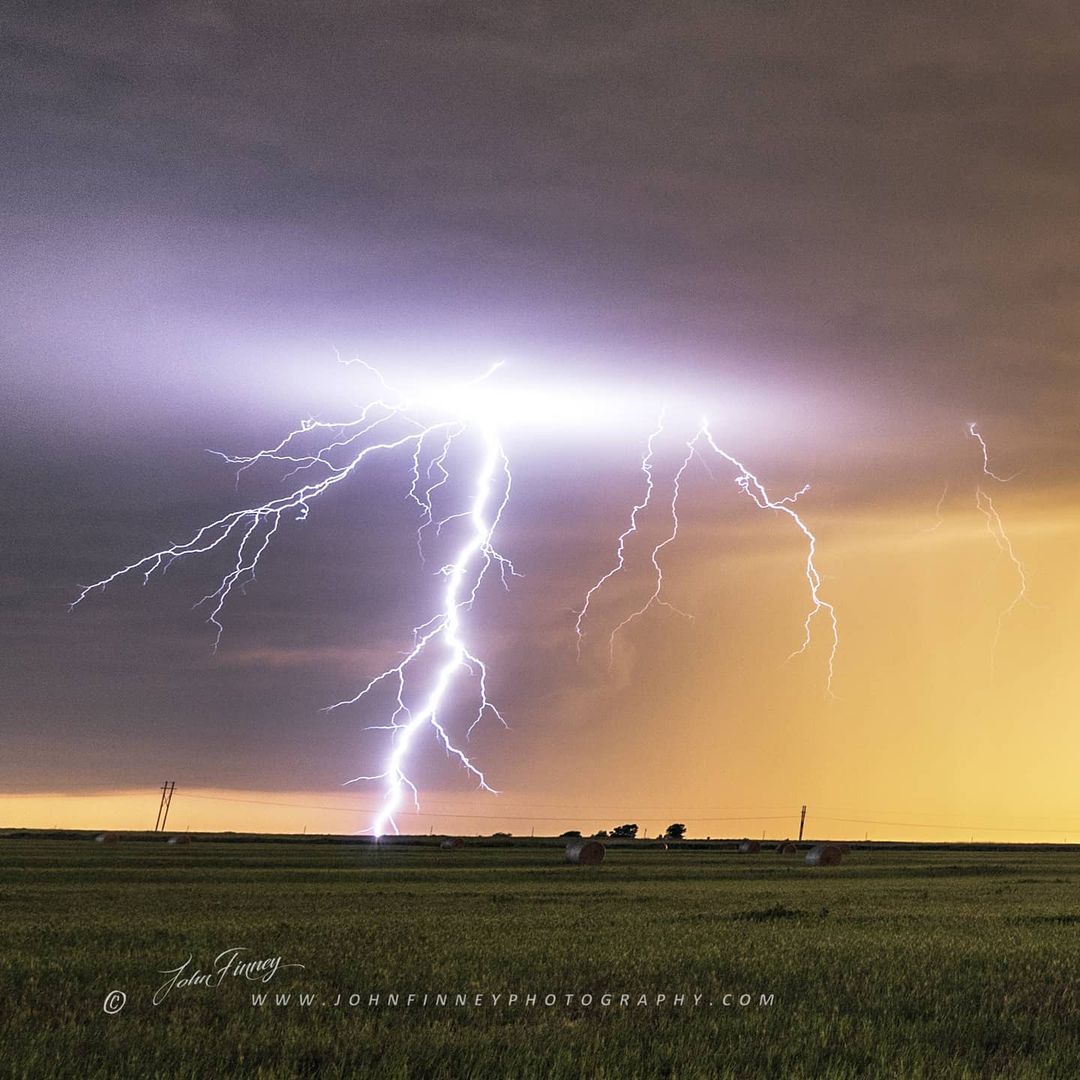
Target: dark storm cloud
707 176
876 203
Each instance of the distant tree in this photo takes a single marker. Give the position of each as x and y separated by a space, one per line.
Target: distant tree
500 836
626 831
676 831
570 834
602 834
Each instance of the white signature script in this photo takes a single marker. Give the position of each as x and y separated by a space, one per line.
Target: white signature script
227 963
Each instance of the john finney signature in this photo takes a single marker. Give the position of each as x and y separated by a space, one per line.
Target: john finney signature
229 963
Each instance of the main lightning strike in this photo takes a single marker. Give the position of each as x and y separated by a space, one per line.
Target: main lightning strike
755 490
470 565
339 455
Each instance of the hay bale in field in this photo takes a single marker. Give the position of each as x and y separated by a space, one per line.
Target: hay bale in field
180 838
585 853
107 838
824 855
786 848
452 843
749 847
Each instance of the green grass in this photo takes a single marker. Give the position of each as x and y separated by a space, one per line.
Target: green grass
935 963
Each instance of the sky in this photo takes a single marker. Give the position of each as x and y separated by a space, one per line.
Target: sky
845 235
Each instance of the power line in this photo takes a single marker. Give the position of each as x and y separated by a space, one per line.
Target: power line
569 808
478 817
702 815
699 813
696 817
929 825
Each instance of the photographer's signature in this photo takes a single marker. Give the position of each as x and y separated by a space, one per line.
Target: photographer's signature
229 964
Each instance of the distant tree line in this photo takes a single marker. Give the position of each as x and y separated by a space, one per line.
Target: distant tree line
629 831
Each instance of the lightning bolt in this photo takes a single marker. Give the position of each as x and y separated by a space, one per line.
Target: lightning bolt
996 528
751 486
463 578
974 432
630 530
655 598
939 511
341 449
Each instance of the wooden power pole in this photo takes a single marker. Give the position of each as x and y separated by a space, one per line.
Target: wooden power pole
167 790
802 821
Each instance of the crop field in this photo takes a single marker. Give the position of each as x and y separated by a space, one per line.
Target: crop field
691 962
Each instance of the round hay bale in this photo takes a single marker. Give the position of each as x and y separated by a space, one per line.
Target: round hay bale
824 855
787 848
452 843
749 847
585 853
107 838
180 838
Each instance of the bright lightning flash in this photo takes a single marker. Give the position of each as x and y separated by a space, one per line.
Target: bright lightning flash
340 449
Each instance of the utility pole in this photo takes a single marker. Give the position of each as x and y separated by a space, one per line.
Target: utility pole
802 821
167 790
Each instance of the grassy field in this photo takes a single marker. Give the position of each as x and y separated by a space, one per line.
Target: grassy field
932 963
